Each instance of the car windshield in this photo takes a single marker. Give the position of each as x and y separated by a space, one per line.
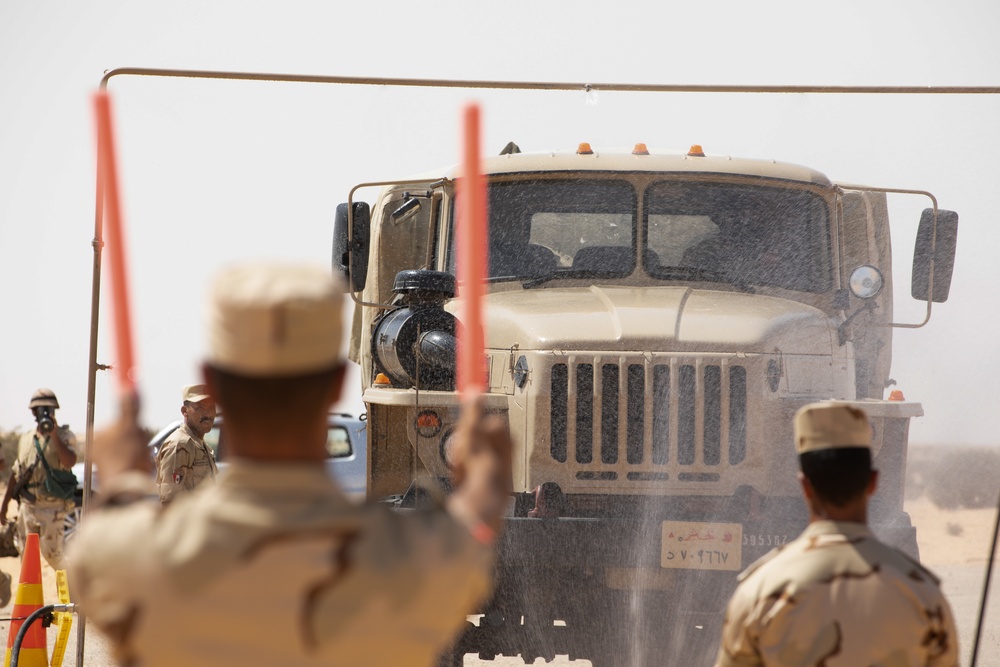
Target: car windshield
213 438
752 234
338 442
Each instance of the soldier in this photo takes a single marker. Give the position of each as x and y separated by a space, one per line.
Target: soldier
185 461
836 596
43 479
272 565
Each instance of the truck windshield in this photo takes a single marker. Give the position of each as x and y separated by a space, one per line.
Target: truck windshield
574 227
740 233
753 234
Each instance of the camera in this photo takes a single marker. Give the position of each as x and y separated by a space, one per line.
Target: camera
43 417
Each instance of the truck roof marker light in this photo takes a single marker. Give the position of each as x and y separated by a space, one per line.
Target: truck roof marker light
896 395
696 151
640 149
584 149
382 380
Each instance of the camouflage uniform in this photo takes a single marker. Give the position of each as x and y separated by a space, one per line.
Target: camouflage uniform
183 462
46 515
272 565
836 597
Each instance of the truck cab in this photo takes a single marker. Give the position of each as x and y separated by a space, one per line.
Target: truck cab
652 323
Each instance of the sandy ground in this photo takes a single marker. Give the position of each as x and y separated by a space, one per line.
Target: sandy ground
954 543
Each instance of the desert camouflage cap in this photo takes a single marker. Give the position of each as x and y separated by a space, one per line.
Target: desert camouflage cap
275 319
43 397
193 393
831 425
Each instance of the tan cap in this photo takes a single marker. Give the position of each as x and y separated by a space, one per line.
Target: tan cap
194 393
831 425
43 397
272 319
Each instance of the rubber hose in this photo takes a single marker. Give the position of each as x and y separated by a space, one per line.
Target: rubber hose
15 652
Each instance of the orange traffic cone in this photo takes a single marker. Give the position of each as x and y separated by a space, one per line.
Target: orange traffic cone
34 649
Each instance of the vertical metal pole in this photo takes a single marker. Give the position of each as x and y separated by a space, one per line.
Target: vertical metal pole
986 588
93 367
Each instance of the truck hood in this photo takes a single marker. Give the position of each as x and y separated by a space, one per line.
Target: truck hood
664 319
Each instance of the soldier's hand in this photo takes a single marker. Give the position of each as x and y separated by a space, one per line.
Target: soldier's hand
480 456
121 447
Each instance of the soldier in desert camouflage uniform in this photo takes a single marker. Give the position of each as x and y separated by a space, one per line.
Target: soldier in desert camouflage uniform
42 449
272 564
836 596
185 461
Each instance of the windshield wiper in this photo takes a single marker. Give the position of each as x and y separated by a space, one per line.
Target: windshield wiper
538 280
570 273
698 273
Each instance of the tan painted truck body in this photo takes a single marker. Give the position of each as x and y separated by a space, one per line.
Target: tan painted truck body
652 324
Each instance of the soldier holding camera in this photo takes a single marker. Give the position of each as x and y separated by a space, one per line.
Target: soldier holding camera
42 480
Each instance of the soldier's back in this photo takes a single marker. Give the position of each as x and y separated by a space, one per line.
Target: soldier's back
837 596
274 566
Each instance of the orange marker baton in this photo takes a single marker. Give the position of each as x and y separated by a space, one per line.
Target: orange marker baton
108 177
472 261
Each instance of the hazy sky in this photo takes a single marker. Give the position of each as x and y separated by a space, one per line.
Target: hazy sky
214 171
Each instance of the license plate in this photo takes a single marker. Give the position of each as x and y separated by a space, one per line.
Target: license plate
688 545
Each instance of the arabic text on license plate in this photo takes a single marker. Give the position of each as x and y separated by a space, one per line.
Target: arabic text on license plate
689 545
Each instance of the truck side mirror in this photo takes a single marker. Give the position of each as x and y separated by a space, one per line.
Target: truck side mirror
943 255
353 254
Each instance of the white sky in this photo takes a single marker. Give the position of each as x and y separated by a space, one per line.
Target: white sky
214 171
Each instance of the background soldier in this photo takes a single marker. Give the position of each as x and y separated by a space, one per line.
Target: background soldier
42 479
272 565
836 596
184 460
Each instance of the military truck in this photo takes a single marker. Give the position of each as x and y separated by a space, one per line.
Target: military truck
653 322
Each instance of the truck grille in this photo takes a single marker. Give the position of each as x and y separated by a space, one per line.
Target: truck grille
649 413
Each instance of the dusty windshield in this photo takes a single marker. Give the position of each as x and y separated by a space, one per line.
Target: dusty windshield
745 233
692 231
578 227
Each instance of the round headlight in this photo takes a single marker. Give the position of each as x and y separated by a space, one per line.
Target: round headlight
866 282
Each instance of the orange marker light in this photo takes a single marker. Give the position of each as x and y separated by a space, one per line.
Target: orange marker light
640 149
108 177
896 395
381 380
472 261
696 151
428 424
584 149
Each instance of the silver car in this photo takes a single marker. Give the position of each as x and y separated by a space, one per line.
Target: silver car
345 445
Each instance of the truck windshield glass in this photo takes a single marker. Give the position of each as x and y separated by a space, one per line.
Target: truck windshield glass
580 227
752 234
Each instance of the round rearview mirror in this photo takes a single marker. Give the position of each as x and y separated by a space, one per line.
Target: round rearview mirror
866 282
